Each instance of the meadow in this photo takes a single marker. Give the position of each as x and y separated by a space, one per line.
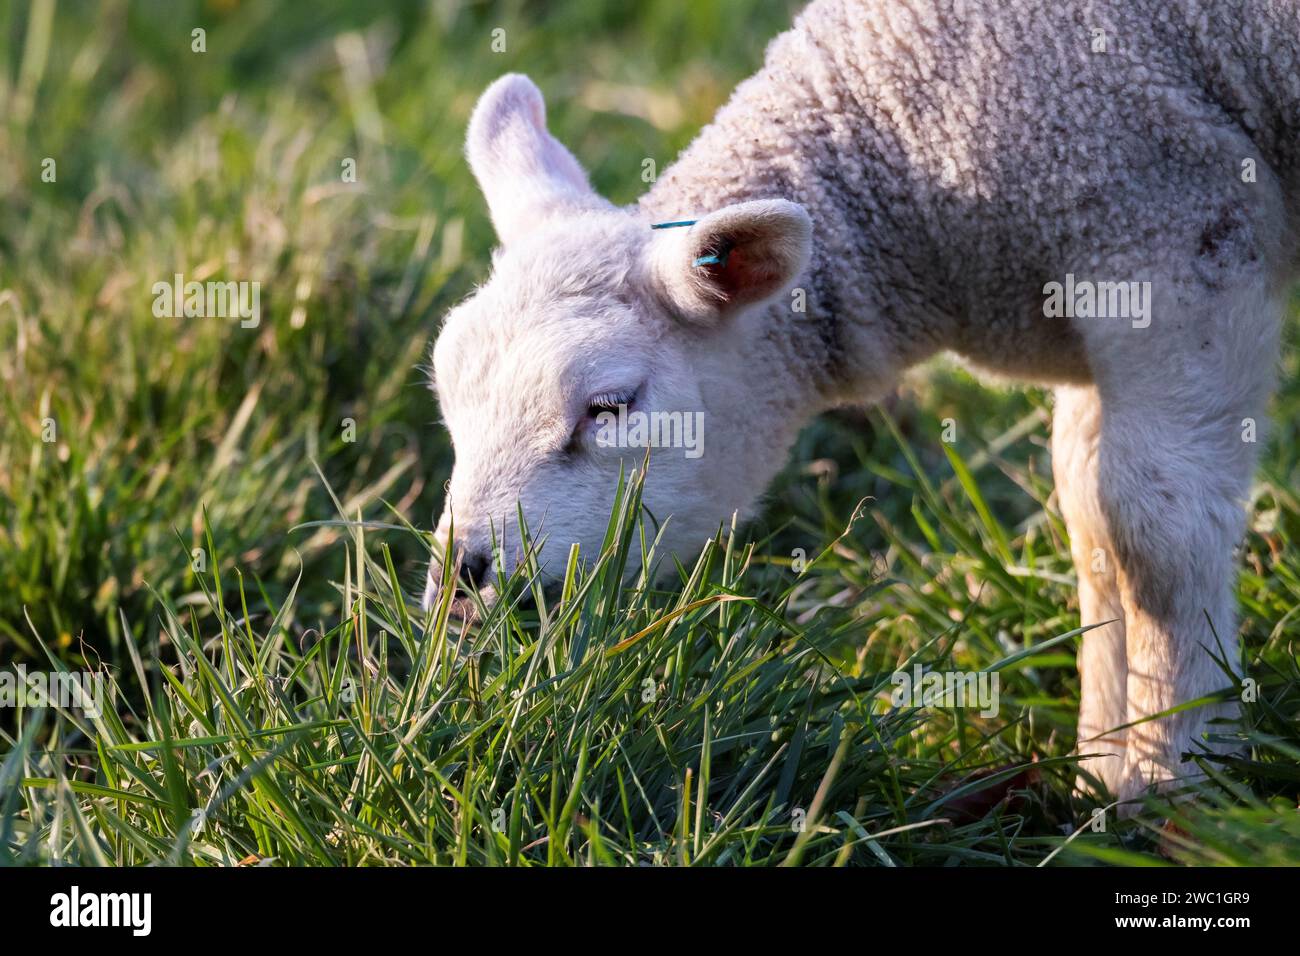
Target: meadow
231 522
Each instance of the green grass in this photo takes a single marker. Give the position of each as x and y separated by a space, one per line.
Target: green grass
288 702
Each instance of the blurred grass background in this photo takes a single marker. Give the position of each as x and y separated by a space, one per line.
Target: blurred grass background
227 164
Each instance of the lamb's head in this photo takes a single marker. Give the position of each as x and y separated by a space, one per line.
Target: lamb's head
592 320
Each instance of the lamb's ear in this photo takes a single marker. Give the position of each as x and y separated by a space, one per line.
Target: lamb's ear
524 171
731 258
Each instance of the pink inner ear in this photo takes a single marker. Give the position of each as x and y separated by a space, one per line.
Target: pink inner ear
741 277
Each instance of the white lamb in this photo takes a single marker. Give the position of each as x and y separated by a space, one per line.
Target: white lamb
1100 196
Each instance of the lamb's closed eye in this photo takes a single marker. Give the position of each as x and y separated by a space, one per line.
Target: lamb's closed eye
600 404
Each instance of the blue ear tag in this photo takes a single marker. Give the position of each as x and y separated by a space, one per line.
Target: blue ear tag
702 260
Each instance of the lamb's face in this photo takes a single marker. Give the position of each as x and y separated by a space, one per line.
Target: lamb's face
527 372
594 338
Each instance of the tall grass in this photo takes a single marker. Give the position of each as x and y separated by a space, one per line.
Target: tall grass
618 721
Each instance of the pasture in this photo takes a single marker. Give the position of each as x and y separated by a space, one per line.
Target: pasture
229 520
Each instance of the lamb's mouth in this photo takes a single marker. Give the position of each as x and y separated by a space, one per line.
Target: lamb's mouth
463 606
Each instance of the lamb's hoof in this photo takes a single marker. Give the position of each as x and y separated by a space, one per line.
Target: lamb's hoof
1100 776
1144 781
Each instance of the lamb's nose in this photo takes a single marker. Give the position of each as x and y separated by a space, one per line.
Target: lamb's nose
474 568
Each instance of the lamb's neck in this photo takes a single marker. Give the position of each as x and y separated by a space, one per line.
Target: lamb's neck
850 342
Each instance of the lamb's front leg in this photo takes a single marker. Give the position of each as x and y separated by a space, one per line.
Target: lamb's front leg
1103 668
1182 405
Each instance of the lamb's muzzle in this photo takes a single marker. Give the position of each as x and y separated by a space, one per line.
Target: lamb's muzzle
472 572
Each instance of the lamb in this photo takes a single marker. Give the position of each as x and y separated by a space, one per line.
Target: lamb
919 176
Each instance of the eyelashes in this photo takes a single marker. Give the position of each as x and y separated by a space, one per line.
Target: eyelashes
597 405
609 402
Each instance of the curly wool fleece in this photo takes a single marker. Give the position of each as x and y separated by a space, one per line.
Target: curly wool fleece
957 156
